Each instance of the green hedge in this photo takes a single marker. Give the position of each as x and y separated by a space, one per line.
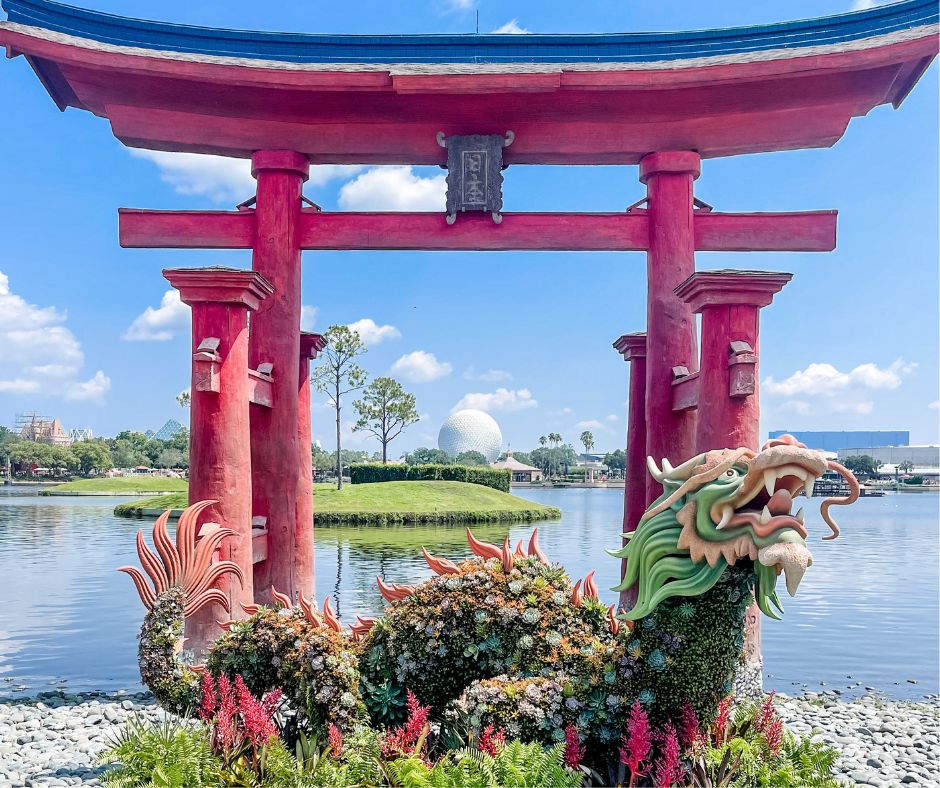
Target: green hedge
369 473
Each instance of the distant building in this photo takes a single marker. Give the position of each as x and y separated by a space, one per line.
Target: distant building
33 427
171 428
836 440
520 471
77 436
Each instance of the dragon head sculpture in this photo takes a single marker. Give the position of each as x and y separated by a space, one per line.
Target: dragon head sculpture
723 506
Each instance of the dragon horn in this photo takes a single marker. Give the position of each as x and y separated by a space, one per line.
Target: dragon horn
613 625
151 565
168 552
440 566
331 620
506 556
590 587
483 549
283 599
146 594
657 474
534 548
576 595
310 612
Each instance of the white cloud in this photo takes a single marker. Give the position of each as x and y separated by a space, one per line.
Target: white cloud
308 317
421 367
38 353
393 188
162 323
935 405
19 386
824 379
371 333
461 5
862 408
613 417
795 406
92 390
512 27
223 179
489 376
862 5
589 424
501 399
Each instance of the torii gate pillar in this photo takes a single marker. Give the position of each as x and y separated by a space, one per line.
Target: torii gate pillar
670 327
219 460
275 339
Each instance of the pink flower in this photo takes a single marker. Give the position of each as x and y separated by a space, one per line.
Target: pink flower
404 739
669 769
256 717
768 723
720 727
225 719
335 738
637 743
574 750
491 740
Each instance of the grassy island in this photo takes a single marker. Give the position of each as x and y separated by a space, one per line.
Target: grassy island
119 485
394 503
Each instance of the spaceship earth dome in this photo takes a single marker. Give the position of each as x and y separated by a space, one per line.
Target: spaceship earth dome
470 430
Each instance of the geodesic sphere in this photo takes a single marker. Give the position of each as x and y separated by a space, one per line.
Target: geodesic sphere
470 430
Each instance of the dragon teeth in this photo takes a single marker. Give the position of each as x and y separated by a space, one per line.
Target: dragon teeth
765 516
799 516
770 481
726 514
808 486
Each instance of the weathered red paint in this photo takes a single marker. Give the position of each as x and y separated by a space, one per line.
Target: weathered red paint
304 564
670 329
633 349
559 117
730 303
275 339
219 456
811 231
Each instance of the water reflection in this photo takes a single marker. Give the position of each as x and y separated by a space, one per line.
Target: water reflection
867 608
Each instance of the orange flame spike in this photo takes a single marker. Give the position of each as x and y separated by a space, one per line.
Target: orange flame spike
226 625
143 590
590 587
440 566
534 549
507 557
283 599
393 592
310 612
250 610
576 596
198 669
362 626
483 549
331 620
613 624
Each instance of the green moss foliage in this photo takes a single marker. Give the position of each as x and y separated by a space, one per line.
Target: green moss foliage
368 473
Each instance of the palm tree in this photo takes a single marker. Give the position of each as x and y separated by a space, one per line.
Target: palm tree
542 441
588 440
554 438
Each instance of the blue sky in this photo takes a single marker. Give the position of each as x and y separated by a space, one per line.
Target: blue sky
851 342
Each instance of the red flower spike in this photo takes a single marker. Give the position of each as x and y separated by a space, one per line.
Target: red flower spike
507 557
534 549
482 549
574 750
689 730
590 587
335 738
720 727
576 594
208 703
492 740
669 767
638 742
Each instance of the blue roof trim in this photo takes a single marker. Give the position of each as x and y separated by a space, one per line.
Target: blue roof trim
470 48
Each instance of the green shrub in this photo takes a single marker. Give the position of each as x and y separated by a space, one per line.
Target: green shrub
370 473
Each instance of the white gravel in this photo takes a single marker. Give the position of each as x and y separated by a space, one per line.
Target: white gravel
56 738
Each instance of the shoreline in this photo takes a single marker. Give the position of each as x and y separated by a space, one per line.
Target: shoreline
54 738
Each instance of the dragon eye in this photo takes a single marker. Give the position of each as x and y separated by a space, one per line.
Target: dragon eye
730 474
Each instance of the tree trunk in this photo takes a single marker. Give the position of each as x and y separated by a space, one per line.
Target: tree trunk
384 453
339 448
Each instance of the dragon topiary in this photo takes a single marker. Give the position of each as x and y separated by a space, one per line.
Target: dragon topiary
505 637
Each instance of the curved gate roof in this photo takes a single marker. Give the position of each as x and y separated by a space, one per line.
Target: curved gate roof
598 98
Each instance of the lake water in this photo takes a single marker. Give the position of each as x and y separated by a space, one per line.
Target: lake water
867 608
